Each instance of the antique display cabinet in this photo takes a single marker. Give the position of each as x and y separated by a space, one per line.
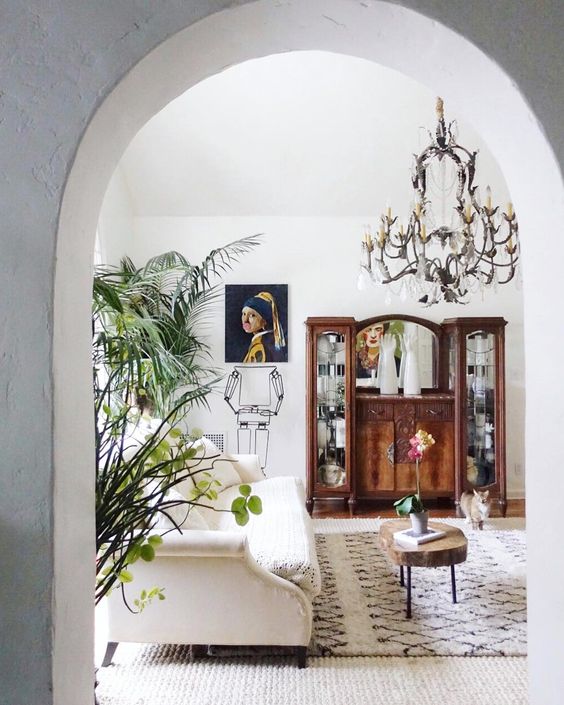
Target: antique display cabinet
330 409
476 377
358 437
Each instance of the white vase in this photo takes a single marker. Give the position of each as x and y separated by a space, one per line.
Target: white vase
411 380
387 374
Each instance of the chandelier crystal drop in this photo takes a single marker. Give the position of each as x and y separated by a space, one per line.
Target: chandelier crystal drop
445 252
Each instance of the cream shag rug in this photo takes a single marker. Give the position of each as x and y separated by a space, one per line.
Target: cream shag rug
370 622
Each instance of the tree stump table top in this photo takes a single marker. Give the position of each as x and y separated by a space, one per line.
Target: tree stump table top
448 550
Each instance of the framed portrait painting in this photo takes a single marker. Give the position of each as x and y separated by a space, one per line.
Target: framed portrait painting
256 323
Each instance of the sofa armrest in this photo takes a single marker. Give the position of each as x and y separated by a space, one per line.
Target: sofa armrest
203 544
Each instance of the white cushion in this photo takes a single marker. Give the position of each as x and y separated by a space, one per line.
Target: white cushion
183 516
248 467
208 459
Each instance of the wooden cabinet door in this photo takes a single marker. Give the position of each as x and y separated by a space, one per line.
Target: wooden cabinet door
436 471
374 457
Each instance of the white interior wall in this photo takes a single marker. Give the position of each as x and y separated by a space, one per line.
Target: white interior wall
318 259
319 137
115 225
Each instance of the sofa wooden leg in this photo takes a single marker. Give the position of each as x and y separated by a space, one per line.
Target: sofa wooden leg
110 651
197 651
301 655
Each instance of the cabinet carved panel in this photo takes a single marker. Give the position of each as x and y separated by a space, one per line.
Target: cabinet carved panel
383 467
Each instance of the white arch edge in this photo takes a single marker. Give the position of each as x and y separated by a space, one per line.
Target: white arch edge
209 46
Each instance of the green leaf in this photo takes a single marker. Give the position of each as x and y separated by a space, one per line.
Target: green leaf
125 576
245 490
255 504
155 540
408 505
238 505
133 553
242 517
147 552
175 433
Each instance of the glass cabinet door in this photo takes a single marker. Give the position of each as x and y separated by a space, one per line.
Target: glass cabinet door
481 469
331 409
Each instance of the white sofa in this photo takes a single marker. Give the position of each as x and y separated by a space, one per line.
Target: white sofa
226 584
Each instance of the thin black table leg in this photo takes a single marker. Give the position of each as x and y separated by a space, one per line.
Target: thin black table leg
402 582
453 583
408 610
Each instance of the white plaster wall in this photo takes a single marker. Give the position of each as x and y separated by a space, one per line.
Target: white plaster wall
318 259
60 63
115 225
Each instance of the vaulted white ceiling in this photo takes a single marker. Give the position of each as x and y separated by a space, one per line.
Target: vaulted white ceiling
296 134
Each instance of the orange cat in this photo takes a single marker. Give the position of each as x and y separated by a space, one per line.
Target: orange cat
476 507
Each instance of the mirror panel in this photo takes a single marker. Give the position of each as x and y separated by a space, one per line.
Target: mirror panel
367 349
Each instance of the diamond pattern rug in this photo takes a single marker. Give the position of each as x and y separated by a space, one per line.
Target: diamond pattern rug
361 610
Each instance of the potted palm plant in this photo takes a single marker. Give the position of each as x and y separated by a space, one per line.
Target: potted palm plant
148 350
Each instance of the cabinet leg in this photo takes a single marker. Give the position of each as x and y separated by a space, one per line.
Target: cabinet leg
301 655
408 609
502 506
309 505
351 502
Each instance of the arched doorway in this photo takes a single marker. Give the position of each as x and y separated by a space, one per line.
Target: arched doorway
384 33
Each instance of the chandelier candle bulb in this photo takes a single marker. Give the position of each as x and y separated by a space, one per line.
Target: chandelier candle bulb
510 209
488 198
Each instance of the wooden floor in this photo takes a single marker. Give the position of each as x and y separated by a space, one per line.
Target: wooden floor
325 508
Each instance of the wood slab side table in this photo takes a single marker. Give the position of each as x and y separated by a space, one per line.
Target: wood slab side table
446 551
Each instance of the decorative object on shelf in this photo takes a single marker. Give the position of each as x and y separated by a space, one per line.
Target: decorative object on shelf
412 504
387 372
411 381
444 253
256 323
261 391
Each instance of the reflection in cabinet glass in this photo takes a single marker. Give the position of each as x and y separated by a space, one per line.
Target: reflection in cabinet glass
477 371
480 398
330 386
331 414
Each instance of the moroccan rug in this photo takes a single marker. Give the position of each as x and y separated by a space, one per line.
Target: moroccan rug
361 610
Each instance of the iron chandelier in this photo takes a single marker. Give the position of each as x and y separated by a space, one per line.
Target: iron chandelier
444 253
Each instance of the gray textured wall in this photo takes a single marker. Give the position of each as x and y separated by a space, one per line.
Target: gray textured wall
58 61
